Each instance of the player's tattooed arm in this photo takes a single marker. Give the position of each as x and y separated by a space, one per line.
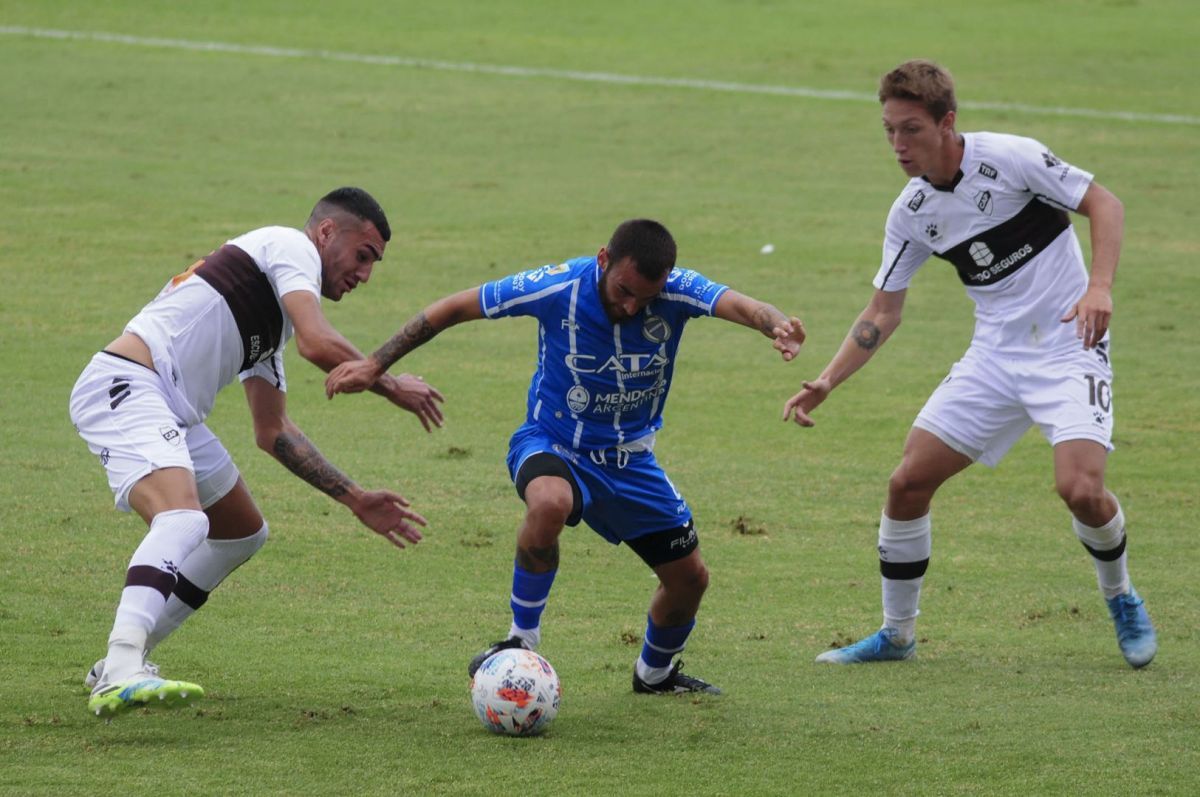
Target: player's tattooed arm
297 453
767 319
416 332
866 335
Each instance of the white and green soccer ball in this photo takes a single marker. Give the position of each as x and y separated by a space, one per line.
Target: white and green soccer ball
516 692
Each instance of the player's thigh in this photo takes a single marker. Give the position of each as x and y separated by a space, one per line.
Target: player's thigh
1079 466
163 490
976 410
1071 398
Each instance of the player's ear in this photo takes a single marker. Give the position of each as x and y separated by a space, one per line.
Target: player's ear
602 257
948 120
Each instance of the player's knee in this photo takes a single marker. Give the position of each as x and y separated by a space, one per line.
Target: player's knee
547 503
1084 496
905 486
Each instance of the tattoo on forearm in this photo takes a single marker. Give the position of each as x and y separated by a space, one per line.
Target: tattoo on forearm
417 331
866 335
532 559
302 458
766 318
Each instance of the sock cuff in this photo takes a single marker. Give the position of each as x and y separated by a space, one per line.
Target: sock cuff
890 529
249 544
1101 538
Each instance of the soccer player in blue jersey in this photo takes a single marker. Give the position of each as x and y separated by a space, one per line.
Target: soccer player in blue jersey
608 330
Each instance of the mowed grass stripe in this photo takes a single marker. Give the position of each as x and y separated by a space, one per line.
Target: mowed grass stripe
571 74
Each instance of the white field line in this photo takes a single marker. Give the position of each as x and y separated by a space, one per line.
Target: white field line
569 74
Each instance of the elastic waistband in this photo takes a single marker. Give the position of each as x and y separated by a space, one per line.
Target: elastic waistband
126 359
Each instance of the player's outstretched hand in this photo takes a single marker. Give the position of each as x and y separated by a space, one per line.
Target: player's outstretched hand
789 338
352 376
413 394
1091 315
387 514
800 405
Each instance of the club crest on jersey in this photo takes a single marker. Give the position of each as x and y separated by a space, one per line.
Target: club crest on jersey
170 434
578 398
656 329
917 200
983 201
988 171
1050 159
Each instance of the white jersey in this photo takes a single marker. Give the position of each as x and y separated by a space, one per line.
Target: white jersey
224 318
1003 225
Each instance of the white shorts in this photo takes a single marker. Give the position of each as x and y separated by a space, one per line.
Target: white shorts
120 410
987 402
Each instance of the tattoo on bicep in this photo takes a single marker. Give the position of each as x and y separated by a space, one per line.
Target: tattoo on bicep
866 335
417 331
302 458
531 558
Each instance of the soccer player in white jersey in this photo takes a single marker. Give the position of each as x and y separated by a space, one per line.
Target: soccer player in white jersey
608 330
995 207
140 405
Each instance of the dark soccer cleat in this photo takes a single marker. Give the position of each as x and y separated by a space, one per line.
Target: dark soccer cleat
676 683
496 647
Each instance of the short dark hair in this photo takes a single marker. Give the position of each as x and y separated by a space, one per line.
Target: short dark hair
648 243
357 203
921 81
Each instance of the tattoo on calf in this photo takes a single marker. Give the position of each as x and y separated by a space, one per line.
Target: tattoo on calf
417 331
302 458
866 335
533 559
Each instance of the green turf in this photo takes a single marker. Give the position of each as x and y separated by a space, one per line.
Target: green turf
336 665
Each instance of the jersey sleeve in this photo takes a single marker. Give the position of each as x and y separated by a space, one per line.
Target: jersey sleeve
1047 176
693 291
526 292
292 264
903 253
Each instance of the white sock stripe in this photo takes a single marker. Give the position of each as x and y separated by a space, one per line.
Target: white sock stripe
568 74
672 651
528 604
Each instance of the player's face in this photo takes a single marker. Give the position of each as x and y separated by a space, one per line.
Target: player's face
920 143
351 249
623 291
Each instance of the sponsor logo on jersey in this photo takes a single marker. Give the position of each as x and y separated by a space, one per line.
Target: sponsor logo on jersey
656 329
105 455
684 276
988 171
1050 159
578 398
983 201
917 200
627 366
1004 265
626 400
981 254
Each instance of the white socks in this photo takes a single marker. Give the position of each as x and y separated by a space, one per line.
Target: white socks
904 549
201 573
1106 544
150 578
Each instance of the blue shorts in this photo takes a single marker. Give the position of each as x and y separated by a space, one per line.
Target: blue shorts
619 503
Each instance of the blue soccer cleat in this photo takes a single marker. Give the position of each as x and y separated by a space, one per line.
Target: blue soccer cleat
1135 632
877 647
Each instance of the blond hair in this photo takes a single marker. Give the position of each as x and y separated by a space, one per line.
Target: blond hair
921 81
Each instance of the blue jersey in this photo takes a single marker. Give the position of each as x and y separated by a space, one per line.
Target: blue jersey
598 384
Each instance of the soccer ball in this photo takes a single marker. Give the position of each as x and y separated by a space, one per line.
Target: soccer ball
515 692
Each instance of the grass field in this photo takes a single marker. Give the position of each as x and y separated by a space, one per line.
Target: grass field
335 664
